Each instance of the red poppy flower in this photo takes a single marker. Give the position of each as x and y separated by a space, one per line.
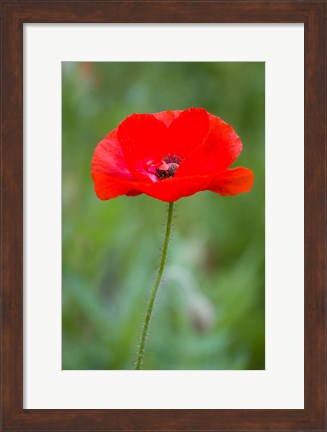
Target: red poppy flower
169 155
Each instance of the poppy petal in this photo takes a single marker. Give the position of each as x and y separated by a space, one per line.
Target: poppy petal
107 186
143 138
218 151
187 131
232 182
173 189
108 157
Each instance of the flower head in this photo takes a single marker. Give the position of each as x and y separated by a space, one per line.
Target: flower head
169 155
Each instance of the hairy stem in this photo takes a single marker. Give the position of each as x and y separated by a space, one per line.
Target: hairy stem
155 288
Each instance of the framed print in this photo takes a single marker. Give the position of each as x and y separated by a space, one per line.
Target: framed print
163 215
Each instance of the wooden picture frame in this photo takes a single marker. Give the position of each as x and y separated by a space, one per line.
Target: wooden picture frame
14 15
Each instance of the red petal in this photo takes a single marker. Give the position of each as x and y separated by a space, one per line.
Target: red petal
172 189
187 131
233 182
230 182
143 138
216 153
107 186
108 157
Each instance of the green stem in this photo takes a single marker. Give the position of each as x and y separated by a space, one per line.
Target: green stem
155 288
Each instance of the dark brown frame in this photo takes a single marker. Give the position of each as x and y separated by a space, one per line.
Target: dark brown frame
14 14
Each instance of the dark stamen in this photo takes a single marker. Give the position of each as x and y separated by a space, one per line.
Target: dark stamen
173 163
172 159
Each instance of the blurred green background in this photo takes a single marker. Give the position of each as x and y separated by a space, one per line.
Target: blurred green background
209 312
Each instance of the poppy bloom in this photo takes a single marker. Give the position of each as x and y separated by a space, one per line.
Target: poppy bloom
169 155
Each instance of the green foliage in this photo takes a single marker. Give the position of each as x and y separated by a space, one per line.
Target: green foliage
209 312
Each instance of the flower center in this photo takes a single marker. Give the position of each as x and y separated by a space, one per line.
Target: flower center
168 167
165 168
